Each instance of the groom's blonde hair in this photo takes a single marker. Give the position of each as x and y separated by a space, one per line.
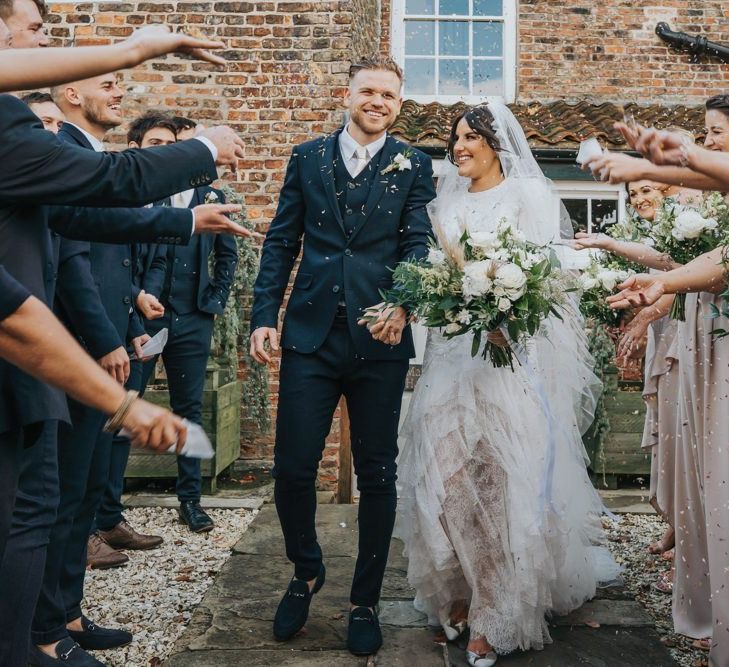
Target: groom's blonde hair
376 61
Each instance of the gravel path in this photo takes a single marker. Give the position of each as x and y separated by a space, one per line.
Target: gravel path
154 595
629 540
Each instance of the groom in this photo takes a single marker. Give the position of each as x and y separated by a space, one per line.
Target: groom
357 198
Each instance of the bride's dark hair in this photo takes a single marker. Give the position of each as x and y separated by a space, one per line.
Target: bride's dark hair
481 121
718 103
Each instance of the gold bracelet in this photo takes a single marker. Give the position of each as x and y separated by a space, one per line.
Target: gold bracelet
114 423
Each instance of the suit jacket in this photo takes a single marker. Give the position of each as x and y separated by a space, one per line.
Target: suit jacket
37 168
105 321
12 294
212 291
395 228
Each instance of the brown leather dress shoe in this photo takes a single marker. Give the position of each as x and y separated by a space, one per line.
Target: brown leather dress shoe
100 556
123 536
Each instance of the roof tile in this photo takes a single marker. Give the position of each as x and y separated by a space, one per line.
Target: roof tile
548 125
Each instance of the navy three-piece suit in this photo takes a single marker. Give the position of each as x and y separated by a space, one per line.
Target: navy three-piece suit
354 231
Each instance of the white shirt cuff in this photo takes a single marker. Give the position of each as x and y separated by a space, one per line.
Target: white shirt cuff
211 146
192 210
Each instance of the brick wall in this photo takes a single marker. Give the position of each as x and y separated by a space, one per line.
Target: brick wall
283 85
608 51
287 73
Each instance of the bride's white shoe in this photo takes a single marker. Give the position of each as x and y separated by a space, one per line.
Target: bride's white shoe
453 632
476 660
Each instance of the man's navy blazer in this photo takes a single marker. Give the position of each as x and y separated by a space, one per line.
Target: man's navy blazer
37 168
395 227
107 321
212 291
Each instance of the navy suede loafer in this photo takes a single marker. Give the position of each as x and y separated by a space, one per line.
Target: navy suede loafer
96 638
293 610
364 636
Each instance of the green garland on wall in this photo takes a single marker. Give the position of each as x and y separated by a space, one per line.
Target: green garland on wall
602 349
231 328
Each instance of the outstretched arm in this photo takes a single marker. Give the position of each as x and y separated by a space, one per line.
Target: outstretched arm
703 274
21 69
35 341
632 251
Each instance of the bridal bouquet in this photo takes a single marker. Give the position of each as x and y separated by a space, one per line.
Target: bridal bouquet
685 231
485 282
597 282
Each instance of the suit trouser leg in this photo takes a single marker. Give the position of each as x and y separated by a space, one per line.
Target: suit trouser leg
111 508
185 358
75 453
11 446
21 571
373 390
309 389
73 568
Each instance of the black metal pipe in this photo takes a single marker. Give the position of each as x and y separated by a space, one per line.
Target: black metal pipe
697 46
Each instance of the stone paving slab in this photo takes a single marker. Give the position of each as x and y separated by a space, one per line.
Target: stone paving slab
585 647
232 626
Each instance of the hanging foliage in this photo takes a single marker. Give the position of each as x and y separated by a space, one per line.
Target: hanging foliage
230 334
602 348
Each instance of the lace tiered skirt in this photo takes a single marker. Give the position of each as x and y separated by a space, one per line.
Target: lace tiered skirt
496 505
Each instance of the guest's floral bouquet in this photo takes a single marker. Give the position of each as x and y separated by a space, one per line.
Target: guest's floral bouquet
487 281
598 281
685 231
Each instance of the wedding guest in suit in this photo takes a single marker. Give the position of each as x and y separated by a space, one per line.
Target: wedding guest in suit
191 297
358 215
33 168
43 106
114 532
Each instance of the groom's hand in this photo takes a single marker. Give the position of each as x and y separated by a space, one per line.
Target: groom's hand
385 323
258 340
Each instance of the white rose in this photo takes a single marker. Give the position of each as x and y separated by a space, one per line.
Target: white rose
608 279
476 281
488 241
588 282
453 328
511 278
402 162
436 257
464 317
689 224
504 304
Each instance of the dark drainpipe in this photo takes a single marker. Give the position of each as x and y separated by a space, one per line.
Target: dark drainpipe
696 46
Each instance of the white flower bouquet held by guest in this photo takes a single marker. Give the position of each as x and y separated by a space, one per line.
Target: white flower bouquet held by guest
598 281
686 231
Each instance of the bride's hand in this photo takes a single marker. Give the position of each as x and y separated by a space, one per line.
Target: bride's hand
583 240
497 338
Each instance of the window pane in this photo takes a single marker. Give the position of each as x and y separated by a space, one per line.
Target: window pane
453 38
487 7
488 77
419 6
450 7
453 77
488 39
420 76
577 209
419 38
604 214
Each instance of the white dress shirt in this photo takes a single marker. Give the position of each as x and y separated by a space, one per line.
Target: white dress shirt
357 157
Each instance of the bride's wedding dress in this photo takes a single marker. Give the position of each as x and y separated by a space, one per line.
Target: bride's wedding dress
496 507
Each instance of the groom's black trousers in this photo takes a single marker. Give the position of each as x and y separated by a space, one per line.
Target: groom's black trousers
310 388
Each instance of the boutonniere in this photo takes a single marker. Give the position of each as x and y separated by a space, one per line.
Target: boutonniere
401 162
211 197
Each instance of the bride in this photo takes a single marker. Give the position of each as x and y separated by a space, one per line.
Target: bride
499 518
